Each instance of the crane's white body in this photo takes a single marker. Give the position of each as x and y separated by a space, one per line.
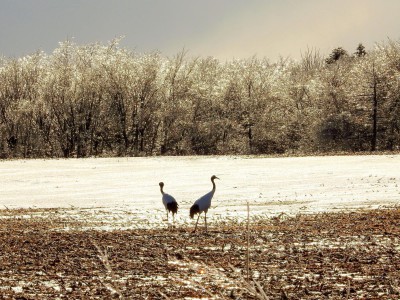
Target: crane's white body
203 204
167 198
169 202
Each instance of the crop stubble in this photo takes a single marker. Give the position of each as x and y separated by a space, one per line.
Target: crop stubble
348 255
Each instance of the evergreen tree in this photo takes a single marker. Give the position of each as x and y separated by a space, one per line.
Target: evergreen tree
336 54
360 50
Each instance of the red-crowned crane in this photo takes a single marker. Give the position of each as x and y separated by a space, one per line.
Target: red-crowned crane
203 204
169 202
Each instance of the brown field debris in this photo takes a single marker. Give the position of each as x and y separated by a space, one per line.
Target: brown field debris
349 255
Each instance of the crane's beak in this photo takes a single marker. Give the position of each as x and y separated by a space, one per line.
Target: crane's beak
217 178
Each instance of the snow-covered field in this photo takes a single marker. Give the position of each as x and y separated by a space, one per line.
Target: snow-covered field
270 185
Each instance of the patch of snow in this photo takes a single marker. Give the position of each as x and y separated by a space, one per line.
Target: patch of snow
270 185
17 289
52 284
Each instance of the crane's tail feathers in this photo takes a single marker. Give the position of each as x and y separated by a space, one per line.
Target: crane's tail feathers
194 210
172 207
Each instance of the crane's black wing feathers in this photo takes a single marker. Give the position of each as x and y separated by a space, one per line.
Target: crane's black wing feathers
172 207
194 210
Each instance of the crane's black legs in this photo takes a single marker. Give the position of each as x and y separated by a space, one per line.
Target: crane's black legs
205 219
195 227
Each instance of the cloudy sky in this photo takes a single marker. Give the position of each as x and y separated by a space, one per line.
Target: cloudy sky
225 29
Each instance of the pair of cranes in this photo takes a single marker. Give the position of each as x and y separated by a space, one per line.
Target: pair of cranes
200 205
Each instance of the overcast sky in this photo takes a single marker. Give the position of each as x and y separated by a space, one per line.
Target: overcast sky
225 29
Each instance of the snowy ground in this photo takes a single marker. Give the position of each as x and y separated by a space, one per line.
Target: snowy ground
270 185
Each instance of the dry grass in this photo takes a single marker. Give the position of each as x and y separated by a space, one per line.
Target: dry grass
325 256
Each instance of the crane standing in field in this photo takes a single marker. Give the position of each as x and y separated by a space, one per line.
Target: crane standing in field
169 202
203 204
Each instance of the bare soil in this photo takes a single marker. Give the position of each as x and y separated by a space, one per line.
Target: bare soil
349 255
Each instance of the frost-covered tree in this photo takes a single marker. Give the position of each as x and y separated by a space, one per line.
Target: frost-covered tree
102 99
175 105
21 107
388 92
209 128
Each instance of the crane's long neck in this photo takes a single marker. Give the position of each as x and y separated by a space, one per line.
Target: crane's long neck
214 186
161 190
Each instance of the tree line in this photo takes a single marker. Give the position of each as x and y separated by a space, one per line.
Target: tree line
105 100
